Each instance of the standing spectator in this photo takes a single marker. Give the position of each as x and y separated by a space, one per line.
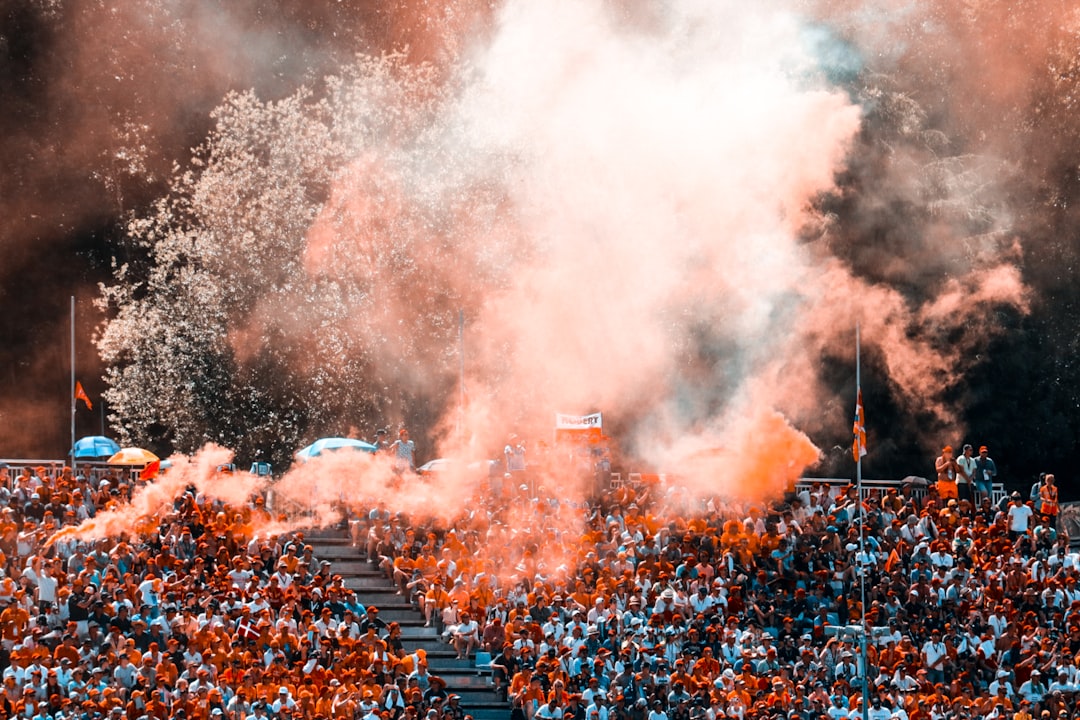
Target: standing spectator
404 452
1035 495
1020 514
935 655
514 453
985 473
965 477
947 470
1048 496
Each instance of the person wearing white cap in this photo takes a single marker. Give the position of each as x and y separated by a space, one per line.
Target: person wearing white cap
1034 689
1001 680
667 601
1061 683
284 699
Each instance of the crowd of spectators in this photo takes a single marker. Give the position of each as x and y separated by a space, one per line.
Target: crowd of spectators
662 607
192 616
675 610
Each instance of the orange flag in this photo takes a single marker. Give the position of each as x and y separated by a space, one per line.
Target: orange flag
150 471
80 394
858 447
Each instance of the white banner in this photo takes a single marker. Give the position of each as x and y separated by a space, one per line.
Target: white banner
578 422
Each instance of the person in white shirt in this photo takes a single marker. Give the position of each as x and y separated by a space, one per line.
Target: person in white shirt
941 557
701 601
1001 681
549 711
466 636
1020 514
1061 683
965 477
656 713
912 532
934 658
1034 690
599 613
284 699
839 709
877 711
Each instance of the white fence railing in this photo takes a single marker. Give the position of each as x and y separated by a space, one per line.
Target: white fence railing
870 487
877 488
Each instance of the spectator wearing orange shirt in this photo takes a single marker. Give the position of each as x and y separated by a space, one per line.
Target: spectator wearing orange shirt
947 471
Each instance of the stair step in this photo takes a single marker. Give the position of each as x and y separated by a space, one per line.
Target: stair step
418 634
478 698
324 537
354 565
438 660
501 713
365 583
373 588
386 594
356 584
465 682
337 553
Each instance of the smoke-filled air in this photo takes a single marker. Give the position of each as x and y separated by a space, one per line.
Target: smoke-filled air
626 207
671 213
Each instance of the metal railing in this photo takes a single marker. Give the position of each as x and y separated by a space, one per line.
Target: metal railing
97 469
876 488
870 488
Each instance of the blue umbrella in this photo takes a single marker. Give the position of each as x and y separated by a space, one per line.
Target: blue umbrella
95 446
333 443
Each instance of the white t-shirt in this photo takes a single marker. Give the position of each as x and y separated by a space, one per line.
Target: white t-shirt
967 464
1020 517
467 629
933 651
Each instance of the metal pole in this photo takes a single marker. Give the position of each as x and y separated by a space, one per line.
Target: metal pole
71 394
862 548
461 376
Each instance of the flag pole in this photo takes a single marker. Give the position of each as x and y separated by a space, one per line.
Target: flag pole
461 377
72 393
862 545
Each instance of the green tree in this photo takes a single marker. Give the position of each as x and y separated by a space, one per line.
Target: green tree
258 318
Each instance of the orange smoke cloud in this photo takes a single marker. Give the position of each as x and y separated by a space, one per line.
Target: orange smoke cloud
617 208
924 348
624 203
151 502
752 456
614 208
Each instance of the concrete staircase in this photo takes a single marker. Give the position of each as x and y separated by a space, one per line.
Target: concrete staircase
373 588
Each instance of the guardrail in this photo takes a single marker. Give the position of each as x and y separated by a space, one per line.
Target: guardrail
97 469
870 487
